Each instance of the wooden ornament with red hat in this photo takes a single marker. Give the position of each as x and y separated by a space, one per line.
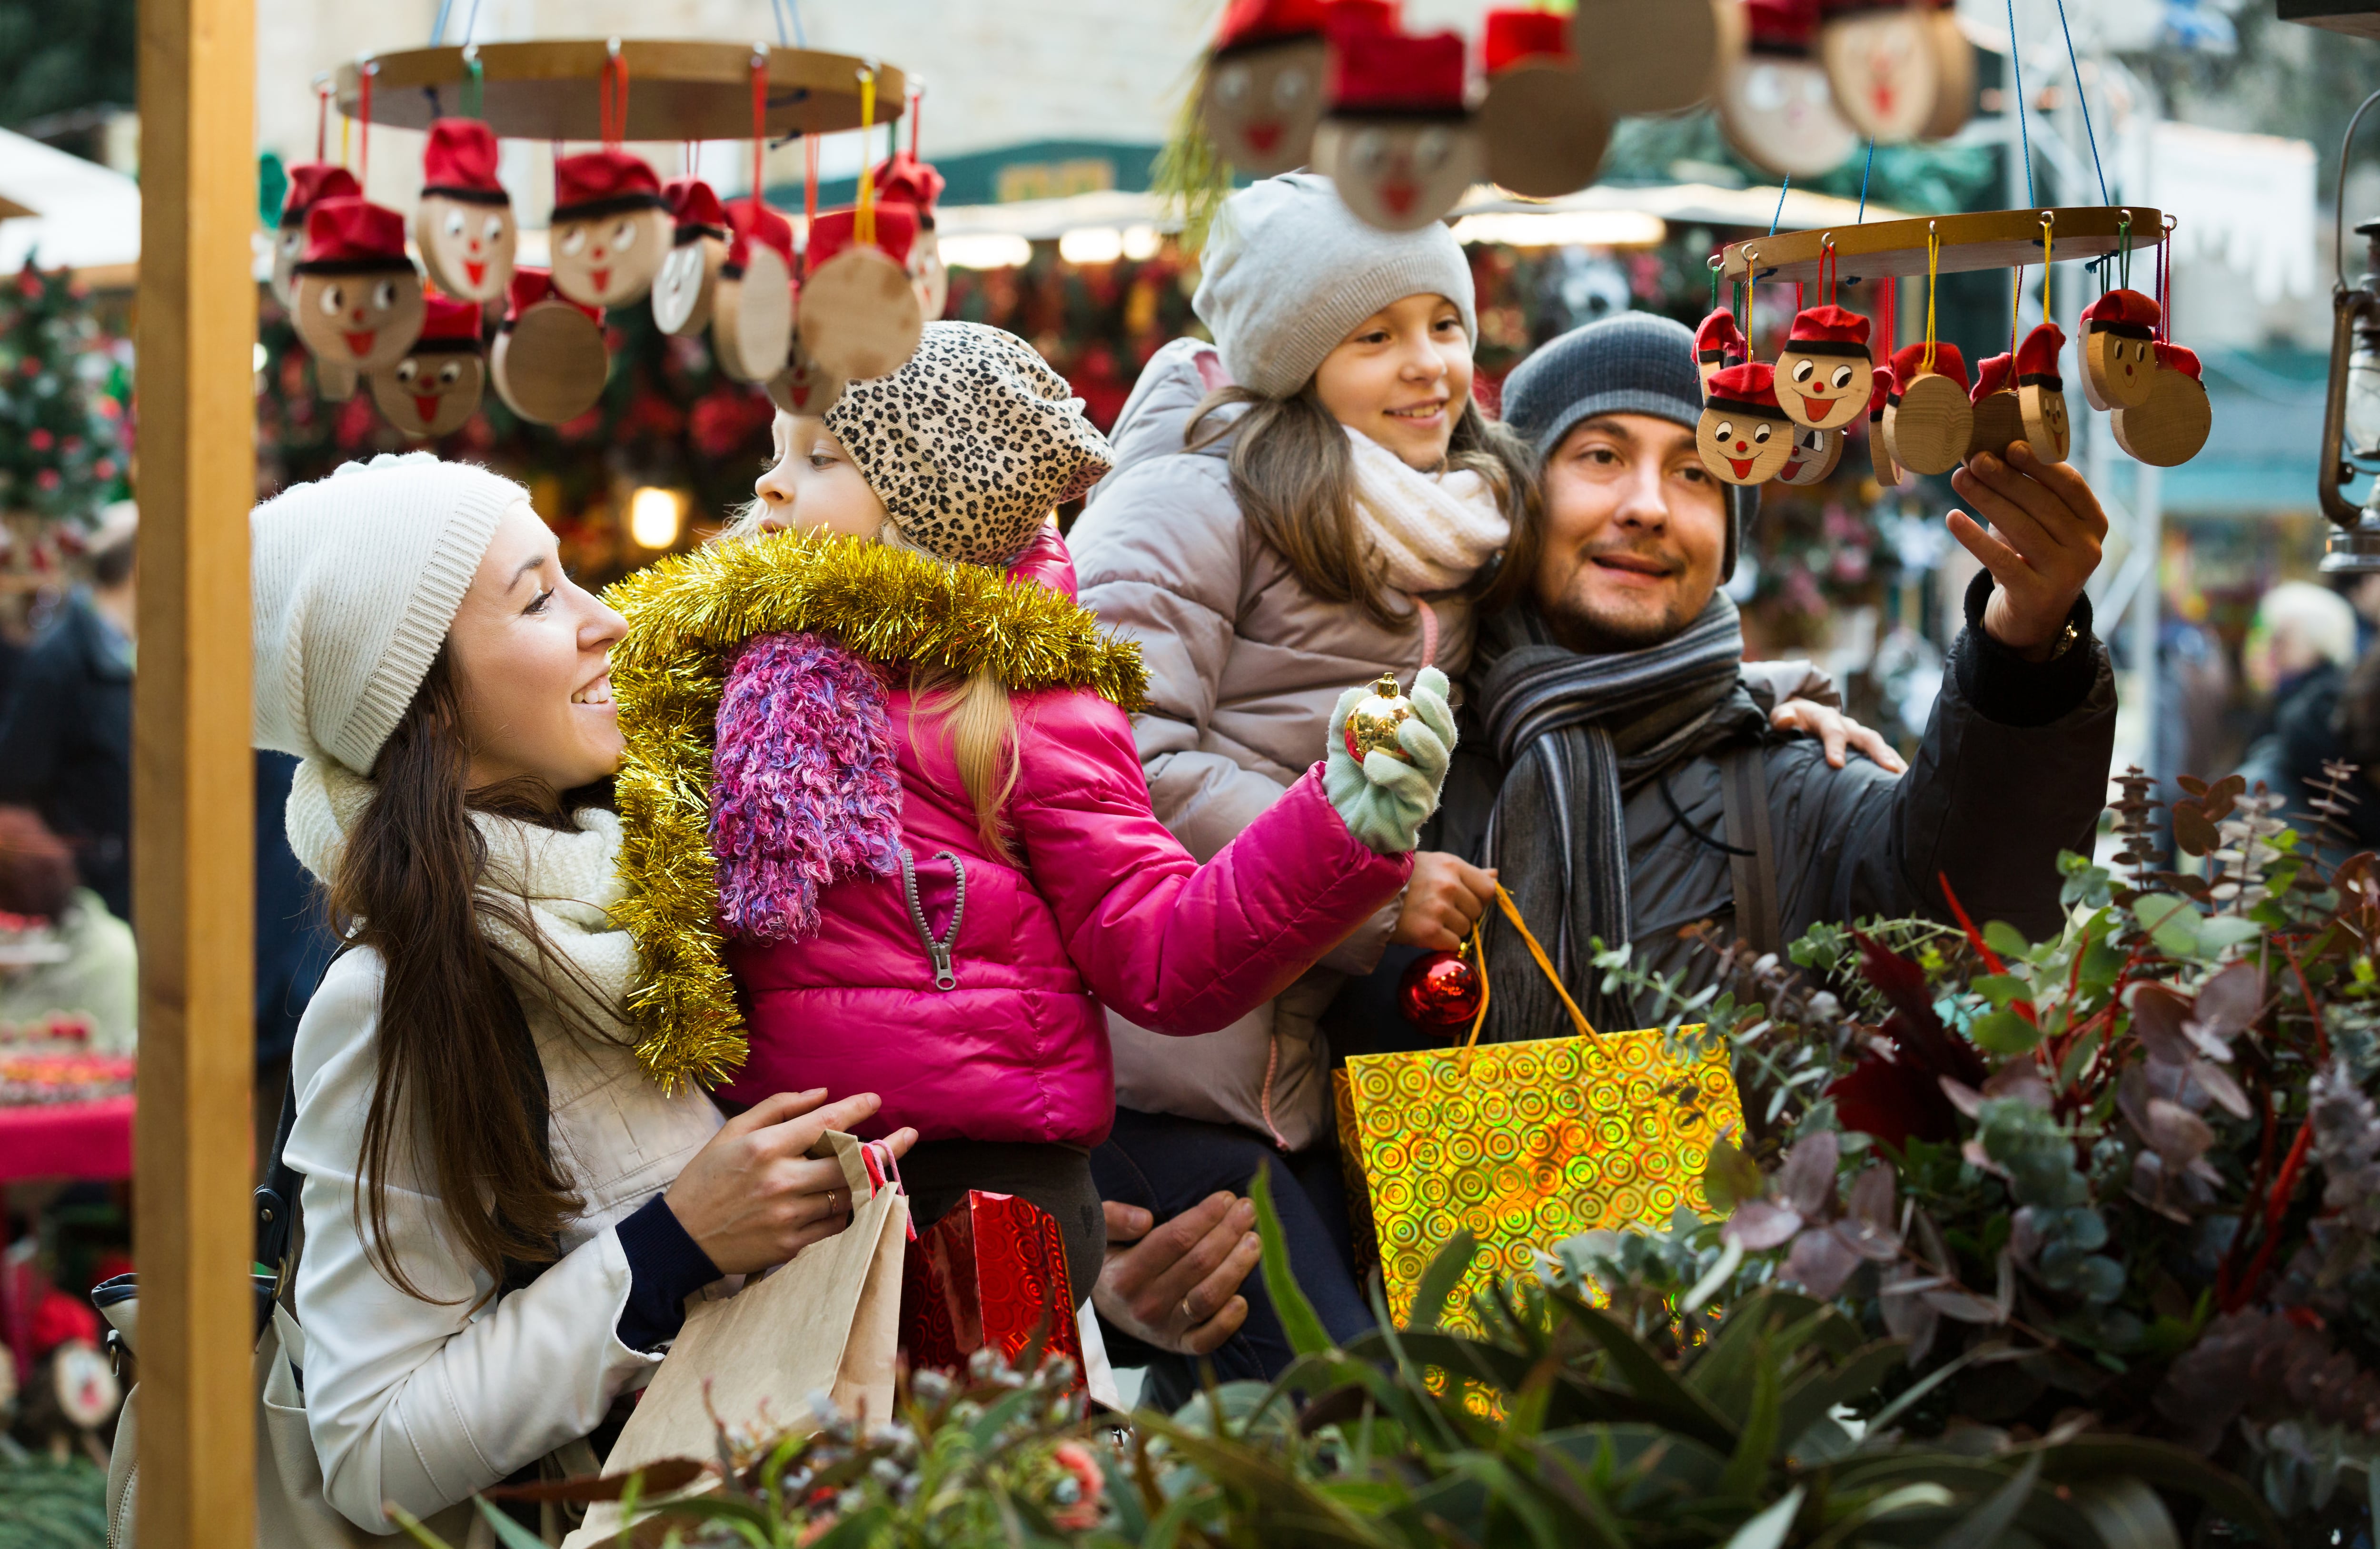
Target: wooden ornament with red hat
904 182
549 362
1719 343
1775 101
1882 61
752 304
689 275
2041 394
1260 90
464 223
1879 444
1399 137
1999 420
1814 456
1545 129
1744 437
1824 372
436 387
1648 55
1929 420
1954 69
611 230
860 316
2172 427
358 300
309 184
805 386
2119 333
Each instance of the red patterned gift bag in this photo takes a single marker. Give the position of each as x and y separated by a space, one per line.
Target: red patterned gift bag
989 1275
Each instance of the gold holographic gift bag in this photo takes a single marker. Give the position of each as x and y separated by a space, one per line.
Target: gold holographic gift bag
1524 1143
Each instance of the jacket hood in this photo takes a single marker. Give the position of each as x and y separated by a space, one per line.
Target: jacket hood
1171 387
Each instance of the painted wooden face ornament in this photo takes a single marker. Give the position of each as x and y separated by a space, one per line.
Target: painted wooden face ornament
1824 371
1881 61
1719 343
902 179
2041 394
752 306
1744 437
549 362
683 290
464 223
610 229
1261 90
1545 128
1399 141
1814 455
309 184
2118 357
358 298
1879 445
859 312
1775 101
805 386
1998 418
1929 420
2171 428
436 387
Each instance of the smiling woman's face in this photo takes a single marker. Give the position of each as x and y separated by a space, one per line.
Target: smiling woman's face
1400 377
531 652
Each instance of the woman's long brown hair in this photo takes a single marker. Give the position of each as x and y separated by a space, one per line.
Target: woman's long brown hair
1294 475
459 1105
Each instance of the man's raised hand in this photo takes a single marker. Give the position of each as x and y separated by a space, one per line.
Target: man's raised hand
2040 548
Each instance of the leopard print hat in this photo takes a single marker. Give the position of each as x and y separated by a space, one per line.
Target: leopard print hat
971 445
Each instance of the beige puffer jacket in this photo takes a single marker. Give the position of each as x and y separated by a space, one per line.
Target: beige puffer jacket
1244 667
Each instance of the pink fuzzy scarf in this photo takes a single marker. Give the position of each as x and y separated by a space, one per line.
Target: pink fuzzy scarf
805 790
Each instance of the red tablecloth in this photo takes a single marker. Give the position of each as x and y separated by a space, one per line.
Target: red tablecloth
66 1140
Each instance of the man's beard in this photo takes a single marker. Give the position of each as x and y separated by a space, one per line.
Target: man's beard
1589 631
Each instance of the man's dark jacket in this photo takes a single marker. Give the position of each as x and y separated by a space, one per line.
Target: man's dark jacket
2012 769
65 745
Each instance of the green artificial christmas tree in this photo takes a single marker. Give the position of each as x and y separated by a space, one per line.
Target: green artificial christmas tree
63 385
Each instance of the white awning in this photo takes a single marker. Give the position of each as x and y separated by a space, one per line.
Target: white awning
67 213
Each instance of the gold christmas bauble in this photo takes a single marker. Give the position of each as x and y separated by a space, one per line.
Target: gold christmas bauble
1372 724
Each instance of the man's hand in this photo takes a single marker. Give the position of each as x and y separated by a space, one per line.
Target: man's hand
1443 899
2044 543
1177 1288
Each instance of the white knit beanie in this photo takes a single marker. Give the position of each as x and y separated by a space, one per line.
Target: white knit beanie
356 578
1289 271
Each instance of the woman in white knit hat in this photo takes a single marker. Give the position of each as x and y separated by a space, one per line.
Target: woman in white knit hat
502 1213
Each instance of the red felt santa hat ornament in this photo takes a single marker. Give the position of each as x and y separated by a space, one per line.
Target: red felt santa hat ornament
1544 128
1927 418
464 223
2171 428
904 183
1998 420
1744 436
436 387
683 290
1719 343
610 229
861 315
1879 445
1398 138
1260 92
1822 373
2118 361
357 299
2041 394
309 184
752 306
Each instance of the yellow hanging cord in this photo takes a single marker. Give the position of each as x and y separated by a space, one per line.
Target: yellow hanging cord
2016 306
1479 946
863 220
1933 263
2047 314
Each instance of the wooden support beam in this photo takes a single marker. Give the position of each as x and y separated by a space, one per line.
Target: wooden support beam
193 848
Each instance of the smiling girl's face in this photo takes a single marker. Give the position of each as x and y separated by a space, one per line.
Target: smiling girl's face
1400 377
814 484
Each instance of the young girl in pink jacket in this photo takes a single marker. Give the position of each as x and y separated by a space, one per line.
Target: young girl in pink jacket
887 829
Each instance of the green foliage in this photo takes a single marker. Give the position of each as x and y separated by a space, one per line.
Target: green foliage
61 57
63 390
50 1504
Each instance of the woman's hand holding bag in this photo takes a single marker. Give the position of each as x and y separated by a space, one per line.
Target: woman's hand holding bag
1386 799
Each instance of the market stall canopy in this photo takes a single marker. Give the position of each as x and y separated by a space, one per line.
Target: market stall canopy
67 213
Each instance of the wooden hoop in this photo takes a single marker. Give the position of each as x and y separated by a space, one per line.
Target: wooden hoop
1992 239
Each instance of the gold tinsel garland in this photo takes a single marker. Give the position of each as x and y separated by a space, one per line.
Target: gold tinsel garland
686 615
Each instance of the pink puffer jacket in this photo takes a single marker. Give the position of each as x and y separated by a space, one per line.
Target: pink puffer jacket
1008 1041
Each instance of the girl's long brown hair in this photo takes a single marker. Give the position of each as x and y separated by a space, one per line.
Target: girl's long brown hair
1294 475
460 1103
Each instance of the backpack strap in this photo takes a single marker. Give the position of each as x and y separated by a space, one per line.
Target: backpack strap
1752 859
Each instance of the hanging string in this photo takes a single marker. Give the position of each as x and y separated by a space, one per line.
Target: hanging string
611 97
322 123
363 135
2048 313
2016 306
1717 261
916 100
1890 298
1933 269
783 8
2165 283
2016 71
809 185
475 83
1781 188
438 27
863 219
1863 177
2081 97
759 119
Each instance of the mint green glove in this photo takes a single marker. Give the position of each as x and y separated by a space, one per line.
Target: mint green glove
1385 800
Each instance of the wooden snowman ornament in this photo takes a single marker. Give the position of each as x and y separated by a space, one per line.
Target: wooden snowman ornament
860 316
1814 458
1997 419
436 387
1545 129
1879 445
1650 55
464 223
1719 343
358 299
2119 350
309 184
1260 92
689 275
1400 140
752 306
902 182
2171 428
1882 62
611 230
1825 371
1744 437
1928 419
549 362
2041 394
1775 101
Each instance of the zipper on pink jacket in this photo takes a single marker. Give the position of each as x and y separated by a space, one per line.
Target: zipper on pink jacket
938 952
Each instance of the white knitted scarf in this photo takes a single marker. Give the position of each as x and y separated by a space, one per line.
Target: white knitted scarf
1431 531
568 880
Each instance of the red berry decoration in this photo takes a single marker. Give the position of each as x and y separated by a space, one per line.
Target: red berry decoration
1440 990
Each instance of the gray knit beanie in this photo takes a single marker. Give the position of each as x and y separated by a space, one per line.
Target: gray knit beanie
1289 271
356 578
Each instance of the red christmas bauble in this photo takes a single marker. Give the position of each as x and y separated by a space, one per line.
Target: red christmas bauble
1440 990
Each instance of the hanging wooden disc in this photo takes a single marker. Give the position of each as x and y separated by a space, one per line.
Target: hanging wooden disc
1814 455
431 393
1885 69
2046 428
860 315
1879 450
1646 56
2172 427
1400 174
684 290
1932 426
1545 130
1779 113
550 363
2118 369
1999 420
804 387
1954 76
1260 103
752 316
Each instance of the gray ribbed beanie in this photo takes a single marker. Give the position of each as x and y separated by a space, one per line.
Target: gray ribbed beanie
1289 270
356 578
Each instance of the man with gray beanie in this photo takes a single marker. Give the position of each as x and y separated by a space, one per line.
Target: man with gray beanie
1619 775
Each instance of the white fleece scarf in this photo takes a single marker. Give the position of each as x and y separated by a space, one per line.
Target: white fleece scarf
568 880
1432 531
